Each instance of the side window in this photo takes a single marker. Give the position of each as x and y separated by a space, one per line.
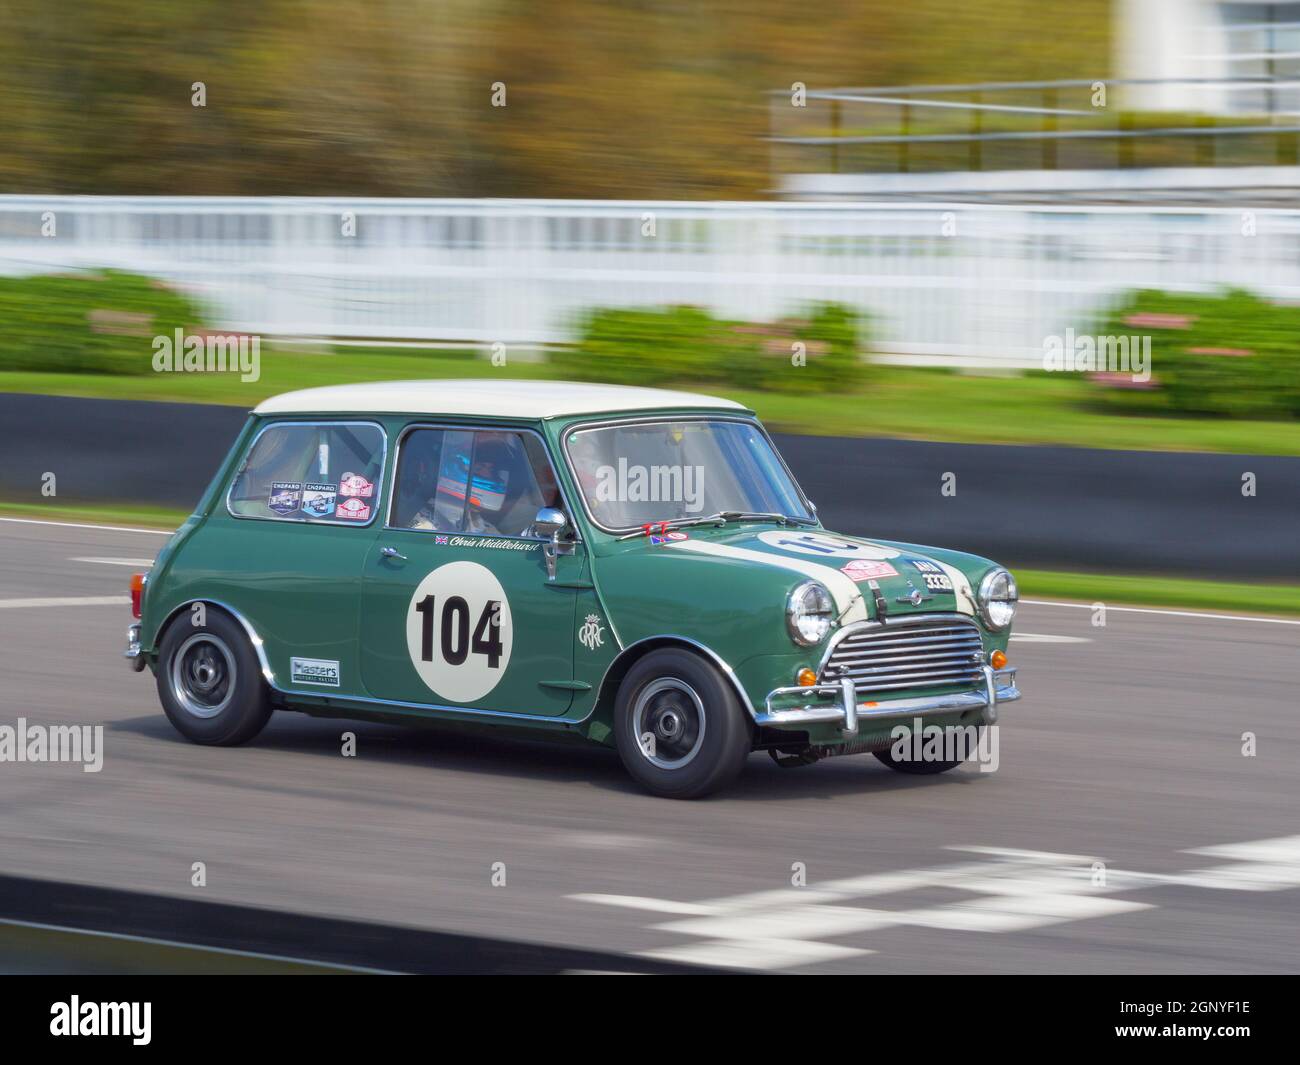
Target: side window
326 472
486 482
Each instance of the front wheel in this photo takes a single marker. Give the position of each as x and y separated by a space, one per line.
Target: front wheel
210 682
679 726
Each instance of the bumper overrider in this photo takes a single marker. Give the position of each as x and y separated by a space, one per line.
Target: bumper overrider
133 654
849 714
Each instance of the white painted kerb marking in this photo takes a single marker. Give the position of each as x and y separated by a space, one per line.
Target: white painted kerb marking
1010 891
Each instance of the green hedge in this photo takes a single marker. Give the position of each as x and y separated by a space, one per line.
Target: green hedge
1230 354
688 345
101 322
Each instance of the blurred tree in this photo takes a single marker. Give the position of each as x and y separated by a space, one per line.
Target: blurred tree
393 97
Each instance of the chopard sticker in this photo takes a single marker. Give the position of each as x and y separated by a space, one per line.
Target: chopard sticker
353 510
862 569
324 672
285 498
318 499
935 578
353 484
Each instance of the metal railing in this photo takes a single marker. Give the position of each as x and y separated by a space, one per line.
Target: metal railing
949 283
901 121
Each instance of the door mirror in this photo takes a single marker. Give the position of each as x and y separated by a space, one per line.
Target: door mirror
550 523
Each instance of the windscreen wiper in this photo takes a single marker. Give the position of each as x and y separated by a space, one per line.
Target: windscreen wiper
720 518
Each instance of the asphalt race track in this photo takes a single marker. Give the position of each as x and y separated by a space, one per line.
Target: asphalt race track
1126 750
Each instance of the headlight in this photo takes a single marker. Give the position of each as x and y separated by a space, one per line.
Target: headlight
809 613
997 599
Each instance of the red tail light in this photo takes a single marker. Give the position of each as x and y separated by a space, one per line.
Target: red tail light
137 593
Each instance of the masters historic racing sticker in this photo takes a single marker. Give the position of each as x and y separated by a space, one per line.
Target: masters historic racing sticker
353 510
935 578
318 499
286 497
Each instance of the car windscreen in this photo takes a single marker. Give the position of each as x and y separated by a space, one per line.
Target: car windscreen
631 474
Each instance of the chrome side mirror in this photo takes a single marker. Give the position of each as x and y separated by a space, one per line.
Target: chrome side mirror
551 524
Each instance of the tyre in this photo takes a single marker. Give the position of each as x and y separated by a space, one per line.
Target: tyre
925 768
210 681
679 726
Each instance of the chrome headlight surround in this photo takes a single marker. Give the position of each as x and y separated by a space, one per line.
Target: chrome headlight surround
997 598
809 613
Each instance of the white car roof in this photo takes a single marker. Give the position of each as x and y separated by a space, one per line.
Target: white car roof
484 398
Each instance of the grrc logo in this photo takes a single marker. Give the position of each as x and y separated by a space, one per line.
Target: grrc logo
103 1018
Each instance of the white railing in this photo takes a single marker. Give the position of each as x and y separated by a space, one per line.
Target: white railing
949 283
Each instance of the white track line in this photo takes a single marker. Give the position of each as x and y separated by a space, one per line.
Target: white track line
82 600
1170 613
83 525
145 562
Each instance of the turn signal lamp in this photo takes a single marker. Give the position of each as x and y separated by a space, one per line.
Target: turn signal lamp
998 659
137 593
807 678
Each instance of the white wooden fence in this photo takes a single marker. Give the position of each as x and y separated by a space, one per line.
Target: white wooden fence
947 283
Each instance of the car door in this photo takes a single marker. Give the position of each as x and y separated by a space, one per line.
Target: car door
288 547
458 608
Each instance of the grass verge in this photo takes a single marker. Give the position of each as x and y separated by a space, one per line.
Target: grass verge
917 404
1177 592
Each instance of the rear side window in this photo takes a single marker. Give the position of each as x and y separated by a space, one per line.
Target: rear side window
318 472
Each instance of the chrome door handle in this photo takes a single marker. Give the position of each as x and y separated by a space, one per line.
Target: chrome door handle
392 552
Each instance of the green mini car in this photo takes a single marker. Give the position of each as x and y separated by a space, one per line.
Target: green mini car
631 566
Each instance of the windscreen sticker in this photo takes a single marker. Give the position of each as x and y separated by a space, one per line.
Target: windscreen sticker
353 484
286 497
353 510
458 631
318 499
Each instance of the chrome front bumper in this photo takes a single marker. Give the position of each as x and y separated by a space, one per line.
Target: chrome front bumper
133 654
848 713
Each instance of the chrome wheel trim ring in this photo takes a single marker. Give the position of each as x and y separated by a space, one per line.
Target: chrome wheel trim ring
669 731
203 675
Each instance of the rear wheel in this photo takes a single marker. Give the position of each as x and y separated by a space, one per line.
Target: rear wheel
210 682
679 726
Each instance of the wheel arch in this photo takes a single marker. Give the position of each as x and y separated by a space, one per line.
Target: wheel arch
254 639
607 693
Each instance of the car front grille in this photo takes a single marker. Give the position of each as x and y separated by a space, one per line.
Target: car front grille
920 653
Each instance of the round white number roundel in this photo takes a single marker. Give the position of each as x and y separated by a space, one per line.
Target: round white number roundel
458 631
824 545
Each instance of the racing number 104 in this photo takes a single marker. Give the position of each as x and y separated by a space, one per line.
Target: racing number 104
457 643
